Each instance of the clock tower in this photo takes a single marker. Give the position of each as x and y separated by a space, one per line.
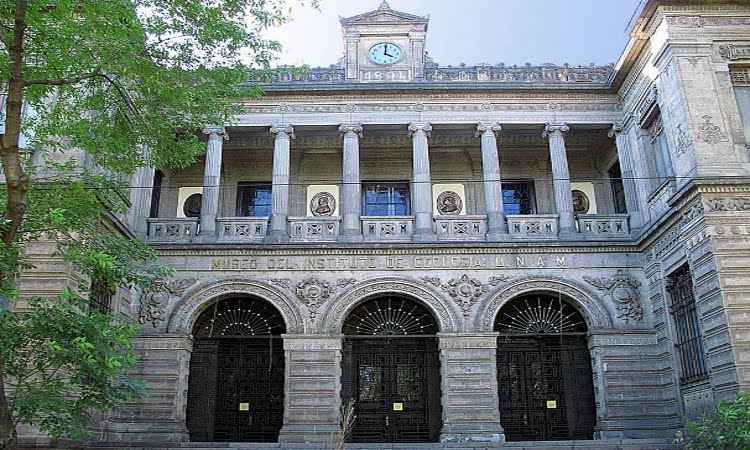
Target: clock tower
384 45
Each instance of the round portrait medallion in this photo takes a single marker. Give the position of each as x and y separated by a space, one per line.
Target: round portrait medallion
580 202
449 203
323 204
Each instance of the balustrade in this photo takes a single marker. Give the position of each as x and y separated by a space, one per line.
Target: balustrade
313 229
538 226
604 225
175 230
461 228
387 228
242 229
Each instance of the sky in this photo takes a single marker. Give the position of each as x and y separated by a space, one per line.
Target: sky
514 32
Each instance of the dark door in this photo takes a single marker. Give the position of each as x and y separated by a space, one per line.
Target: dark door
395 385
545 388
250 392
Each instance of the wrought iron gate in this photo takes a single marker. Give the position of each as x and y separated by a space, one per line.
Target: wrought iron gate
544 377
391 374
236 388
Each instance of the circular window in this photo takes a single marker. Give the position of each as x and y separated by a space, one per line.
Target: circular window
192 206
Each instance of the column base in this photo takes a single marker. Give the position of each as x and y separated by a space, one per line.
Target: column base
350 237
277 237
424 236
498 236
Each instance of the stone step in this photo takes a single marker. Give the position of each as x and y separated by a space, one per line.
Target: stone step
619 444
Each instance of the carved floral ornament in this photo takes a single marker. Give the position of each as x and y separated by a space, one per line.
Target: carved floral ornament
623 290
154 301
313 292
464 290
710 133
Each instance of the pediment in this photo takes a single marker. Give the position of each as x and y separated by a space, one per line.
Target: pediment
384 14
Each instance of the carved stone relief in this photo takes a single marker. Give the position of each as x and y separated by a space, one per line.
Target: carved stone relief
323 204
682 139
622 289
710 133
449 203
154 301
313 292
464 290
727 204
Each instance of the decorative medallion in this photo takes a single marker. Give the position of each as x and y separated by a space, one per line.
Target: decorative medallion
192 206
449 203
465 291
155 299
581 202
314 292
323 204
710 133
623 291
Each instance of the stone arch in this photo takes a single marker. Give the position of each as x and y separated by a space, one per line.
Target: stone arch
338 310
190 307
593 311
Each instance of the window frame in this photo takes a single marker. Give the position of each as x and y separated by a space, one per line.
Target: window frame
532 195
686 326
392 206
250 186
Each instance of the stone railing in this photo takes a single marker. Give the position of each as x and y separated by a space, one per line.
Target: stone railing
604 225
387 228
172 230
500 73
461 228
241 229
538 226
313 229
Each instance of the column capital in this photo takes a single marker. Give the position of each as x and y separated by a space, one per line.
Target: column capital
484 127
415 127
216 130
616 129
351 128
282 129
553 127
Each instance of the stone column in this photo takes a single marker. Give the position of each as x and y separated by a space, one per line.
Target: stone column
351 189
312 403
470 397
493 188
421 193
628 181
211 180
141 191
280 183
561 176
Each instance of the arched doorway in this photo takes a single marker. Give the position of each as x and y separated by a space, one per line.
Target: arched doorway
544 378
236 386
391 371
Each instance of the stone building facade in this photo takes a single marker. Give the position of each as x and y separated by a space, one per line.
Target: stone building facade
471 254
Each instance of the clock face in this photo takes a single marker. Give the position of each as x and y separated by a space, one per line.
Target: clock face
385 53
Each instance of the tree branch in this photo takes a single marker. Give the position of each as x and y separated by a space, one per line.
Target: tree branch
63 81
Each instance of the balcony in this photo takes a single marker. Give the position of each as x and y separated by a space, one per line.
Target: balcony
377 229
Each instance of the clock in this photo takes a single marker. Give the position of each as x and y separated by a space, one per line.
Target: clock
385 53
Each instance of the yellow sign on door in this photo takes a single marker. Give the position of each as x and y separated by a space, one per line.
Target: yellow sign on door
551 404
398 406
244 406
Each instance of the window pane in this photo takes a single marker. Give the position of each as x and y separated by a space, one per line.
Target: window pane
385 199
518 198
254 200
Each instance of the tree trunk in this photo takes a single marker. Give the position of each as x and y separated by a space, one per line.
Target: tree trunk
17 183
7 429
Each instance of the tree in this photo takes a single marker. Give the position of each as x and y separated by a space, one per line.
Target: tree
130 83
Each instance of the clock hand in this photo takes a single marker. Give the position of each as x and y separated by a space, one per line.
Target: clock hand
385 51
